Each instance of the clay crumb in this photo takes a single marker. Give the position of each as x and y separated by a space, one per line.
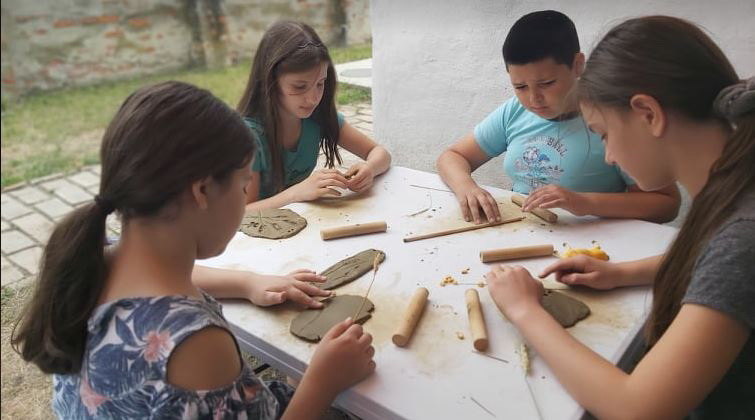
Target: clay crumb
481 283
465 271
447 280
459 335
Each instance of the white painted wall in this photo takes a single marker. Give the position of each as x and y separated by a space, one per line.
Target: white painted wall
438 70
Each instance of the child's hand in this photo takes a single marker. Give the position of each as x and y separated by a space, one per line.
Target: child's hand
472 199
585 271
343 357
514 290
551 196
318 185
360 177
272 290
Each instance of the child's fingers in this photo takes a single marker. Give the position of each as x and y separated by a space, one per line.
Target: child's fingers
336 330
568 264
331 182
296 295
312 290
322 192
309 277
474 208
585 279
558 202
464 208
273 298
365 340
490 209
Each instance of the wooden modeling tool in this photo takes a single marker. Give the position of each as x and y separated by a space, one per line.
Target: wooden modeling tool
375 264
411 317
476 320
516 253
353 230
461 229
544 214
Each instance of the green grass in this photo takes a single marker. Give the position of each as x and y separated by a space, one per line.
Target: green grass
49 132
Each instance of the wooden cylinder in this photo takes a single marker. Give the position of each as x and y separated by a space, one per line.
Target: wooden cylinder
411 317
353 230
516 252
476 320
544 214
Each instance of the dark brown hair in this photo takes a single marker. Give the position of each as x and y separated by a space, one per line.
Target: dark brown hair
676 63
289 47
163 138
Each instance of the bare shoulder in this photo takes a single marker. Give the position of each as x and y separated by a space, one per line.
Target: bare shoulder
207 359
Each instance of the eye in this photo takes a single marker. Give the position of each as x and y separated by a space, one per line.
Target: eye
520 87
548 83
300 87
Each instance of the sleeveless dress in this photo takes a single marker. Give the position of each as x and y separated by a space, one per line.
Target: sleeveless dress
124 371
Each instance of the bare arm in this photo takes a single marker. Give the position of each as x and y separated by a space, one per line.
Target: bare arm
673 378
356 142
455 166
597 274
655 206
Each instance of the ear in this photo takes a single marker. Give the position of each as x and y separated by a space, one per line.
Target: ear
650 112
578 65
199 191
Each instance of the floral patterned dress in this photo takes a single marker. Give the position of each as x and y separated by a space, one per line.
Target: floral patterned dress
124 371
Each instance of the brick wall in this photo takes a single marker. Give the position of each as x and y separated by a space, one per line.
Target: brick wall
48 44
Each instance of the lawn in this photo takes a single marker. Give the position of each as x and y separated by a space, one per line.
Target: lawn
60 130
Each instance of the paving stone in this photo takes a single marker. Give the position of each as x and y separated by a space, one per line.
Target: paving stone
30 194
114 224
12 208
28 259
5 225
365 118
10 274
36 226
14 240
54 208
347 111
69 192
85 179
96 169
365 110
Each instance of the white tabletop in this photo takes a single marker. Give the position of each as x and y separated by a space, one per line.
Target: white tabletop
439 375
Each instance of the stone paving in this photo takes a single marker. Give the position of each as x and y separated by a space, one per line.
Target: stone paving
30 210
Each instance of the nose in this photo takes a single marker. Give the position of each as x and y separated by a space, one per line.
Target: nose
313 97
609 157
536 97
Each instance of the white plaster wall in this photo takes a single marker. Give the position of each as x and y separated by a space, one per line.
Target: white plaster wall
438 70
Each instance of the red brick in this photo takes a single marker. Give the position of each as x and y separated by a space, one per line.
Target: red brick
148 50
115 33
99 20
40 31
146 37
27 18
139 22
64 23
9 81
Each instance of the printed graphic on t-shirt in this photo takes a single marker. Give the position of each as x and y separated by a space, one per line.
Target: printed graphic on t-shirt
540 163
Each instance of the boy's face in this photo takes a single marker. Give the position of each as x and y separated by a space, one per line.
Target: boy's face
542 86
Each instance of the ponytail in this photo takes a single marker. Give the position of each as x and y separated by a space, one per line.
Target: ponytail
52 331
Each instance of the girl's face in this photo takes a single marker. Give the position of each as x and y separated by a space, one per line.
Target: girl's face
630 144
300 93
225 208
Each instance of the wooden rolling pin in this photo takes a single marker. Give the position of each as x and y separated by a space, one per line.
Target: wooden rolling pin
476 320
516 253
411 316
461 229
544 214
353 230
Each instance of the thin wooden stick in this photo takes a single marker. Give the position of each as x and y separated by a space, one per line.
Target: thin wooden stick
375 264
430 188
461 229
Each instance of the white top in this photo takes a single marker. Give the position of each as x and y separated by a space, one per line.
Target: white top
439 375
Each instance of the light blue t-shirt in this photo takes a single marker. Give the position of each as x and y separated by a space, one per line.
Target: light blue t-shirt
542 152
298 164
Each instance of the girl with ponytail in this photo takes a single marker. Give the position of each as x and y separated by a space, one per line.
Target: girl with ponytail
669 107
132 330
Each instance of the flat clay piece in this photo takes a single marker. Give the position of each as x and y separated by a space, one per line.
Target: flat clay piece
350 269
312 324
567 310
272 223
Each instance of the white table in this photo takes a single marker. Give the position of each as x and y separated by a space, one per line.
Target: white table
439 375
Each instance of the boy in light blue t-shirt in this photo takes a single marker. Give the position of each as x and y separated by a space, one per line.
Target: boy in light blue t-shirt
550 153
